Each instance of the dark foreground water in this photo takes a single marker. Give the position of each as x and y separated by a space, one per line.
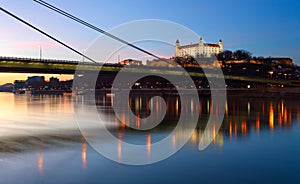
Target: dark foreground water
259 142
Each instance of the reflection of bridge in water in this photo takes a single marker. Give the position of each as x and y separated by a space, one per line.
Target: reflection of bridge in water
52 66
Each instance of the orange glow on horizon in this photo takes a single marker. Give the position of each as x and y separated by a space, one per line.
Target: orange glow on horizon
11 77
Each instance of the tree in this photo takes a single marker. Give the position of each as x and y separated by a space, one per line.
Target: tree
241 55
225 55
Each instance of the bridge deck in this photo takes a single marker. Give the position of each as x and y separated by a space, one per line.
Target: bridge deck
51 66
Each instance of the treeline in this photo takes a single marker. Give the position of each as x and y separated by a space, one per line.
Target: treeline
236 55
228 55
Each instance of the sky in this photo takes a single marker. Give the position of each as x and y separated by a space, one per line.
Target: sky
263 27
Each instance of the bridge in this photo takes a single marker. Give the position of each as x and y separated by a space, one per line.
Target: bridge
44 66
52 66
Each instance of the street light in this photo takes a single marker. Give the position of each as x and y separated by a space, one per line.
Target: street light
83 52
40 47
271 73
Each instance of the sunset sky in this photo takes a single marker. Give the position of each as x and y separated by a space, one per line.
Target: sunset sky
263 27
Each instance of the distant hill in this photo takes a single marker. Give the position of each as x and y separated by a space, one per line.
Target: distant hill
8 87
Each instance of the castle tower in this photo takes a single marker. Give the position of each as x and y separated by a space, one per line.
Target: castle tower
177 42
221 45
177 45
201 47
201 41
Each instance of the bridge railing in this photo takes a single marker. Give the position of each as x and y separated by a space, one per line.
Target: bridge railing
43 60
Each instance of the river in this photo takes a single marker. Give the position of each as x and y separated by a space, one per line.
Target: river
40 142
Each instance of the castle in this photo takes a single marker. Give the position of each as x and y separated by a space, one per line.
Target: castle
198 49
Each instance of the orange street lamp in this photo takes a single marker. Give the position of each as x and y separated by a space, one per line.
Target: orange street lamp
271 73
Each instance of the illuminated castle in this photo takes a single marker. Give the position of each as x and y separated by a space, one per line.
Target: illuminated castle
198 49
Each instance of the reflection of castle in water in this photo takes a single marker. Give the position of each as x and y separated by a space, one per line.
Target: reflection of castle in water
259 114
242 116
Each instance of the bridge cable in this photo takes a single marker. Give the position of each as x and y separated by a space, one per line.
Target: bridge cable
46 34
47 5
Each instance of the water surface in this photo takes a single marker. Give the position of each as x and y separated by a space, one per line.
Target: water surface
259 142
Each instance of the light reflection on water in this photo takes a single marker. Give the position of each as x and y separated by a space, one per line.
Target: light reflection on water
26 115
41 131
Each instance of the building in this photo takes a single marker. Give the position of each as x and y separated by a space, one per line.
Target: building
131 62
160 63
35 82
282 61
198 49
19 84
54 80
40 79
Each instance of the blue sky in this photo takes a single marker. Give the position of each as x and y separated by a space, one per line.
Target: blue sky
263 27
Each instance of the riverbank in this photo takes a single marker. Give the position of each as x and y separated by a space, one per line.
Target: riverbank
231 92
